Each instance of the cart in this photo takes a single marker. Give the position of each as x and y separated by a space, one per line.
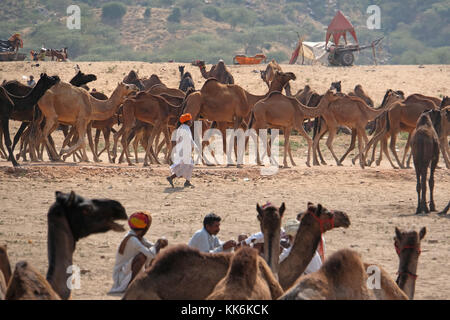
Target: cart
342 55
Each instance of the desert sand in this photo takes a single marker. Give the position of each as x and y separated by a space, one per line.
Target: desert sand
377 199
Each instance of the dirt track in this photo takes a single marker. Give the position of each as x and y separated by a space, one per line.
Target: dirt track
376 199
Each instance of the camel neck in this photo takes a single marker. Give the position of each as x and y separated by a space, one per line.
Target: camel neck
203 72
31 98
407 276
304 247
105 109
272 249
60 246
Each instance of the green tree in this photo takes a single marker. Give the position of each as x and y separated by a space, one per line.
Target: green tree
113 11
175 16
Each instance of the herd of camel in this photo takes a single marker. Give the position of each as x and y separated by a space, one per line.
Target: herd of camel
184 273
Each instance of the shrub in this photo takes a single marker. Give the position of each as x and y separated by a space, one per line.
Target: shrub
175 16
113 11
147 13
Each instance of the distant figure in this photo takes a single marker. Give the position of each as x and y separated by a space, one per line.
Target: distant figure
31 82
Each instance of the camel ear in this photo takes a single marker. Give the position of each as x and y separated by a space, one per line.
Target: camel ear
260 211
398 234
282 209
58 196
71 199
422 232
319 209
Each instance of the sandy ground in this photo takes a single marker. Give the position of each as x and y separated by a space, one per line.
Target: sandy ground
377 199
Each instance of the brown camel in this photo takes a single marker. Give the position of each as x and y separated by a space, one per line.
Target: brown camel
269 74
348 111
159 89
226 104
287 113
248 278
425 151
445 131
5 271
70 218
403 116
150 82
407 245
270 222
71 105
151 109
218 72
359 92
303 95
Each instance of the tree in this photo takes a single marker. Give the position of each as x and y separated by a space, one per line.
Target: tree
113 11
147 13
190 4
175 16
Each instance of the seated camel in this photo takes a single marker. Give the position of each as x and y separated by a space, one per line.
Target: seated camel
247 278
219 72
70 219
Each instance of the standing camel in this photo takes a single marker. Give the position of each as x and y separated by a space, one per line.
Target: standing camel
445 130
269 74
70 219
21 106
248 278
186 80
71 105
425 151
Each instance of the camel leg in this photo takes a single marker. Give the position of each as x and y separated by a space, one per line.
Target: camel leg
168 149
91 143
392 147
18 134
2 149
405 152
323 130
287 133
303 133
137 139
106 135
81 127
51 124
117 135
359 132
5 127
434 163
331 135
350 148
96 142
124 141
322 160
423 182
445 150
149 150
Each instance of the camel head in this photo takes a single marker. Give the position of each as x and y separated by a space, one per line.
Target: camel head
270 216
132 78
445 102
263 74
327 219
285 76
336 85
391 96
81 79
200 63
407 246
125 89
85 216
181 69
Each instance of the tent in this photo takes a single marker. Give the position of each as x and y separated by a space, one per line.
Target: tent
311 52
338 27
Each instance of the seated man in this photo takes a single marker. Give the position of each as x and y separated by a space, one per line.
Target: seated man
134 252
206 239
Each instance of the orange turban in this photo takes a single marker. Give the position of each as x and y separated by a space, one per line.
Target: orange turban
140 220
185 117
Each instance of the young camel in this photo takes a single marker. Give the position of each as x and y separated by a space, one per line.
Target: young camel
183 273
70 218
344 276
402 115
425 151
349 111
287 113
248 278
71 105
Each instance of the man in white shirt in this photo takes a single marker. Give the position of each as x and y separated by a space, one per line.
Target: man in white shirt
206 239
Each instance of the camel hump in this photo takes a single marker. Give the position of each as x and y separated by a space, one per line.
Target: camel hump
340 262
244 263
172 258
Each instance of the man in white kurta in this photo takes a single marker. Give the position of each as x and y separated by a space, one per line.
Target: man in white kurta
183 165
135 252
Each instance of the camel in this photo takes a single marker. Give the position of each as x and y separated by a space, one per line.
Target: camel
132 78
150 82
186 80
444 212
343 276
71 105
349 111
287 113
152 109
218 72
159 89
425 151
248 278
303 95
71 218
226 104
21 106
268 75
402 115
359 92
5 271
183 273
407 245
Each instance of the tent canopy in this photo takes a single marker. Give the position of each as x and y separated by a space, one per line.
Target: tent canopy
338 27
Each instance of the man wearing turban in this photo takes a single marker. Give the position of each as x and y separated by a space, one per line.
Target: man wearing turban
182 153
134 251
